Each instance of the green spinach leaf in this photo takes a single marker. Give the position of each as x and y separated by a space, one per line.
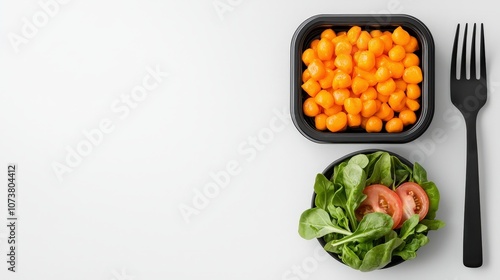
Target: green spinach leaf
353 179
380 255
324 191
362 248
408 227
421 228
339 198
332 236
391 235
419 174
337 172
402 172
433 224
382 171
349 257
361 160
372 226
434 197
315 222
409 250
372 159
338 214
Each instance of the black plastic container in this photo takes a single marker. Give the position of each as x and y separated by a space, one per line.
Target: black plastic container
312 28
328 172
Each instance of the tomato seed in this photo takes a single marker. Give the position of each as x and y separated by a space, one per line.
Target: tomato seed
383 204
418 203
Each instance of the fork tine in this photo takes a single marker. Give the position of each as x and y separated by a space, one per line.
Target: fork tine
473 55
482 59
464 54
454 55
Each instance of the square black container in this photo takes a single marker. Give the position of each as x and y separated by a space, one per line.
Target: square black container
312 28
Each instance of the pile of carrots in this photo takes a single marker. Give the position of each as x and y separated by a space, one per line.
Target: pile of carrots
359 78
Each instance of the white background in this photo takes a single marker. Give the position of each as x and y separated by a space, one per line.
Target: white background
116 214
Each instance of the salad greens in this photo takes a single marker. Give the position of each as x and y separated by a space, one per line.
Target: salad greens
371 243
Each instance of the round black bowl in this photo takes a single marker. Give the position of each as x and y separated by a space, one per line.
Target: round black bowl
328 172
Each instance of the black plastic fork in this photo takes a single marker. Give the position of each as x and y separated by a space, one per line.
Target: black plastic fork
469 96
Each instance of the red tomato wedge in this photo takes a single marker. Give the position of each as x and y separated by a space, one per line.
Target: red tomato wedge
414 199
381 199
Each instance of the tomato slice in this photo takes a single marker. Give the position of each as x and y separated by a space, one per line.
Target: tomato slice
381 199
414 199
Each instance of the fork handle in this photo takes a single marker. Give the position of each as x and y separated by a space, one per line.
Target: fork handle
473 249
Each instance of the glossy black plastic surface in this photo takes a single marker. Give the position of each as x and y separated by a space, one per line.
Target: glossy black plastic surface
464 90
